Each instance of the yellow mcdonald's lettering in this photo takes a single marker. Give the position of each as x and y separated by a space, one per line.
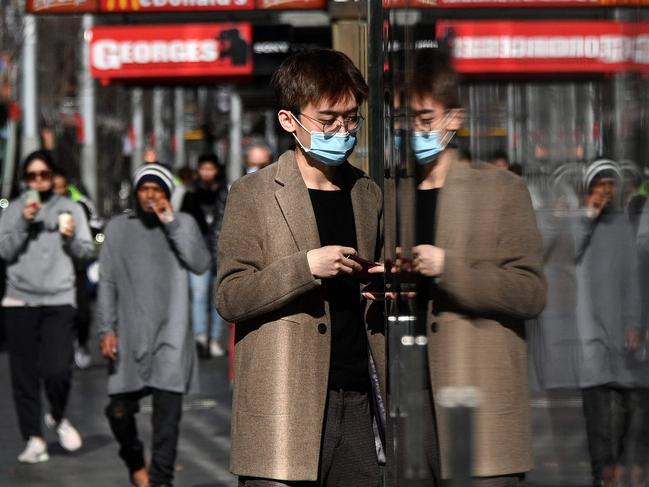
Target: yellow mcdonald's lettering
122 5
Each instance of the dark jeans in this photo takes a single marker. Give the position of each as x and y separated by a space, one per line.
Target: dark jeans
348 452
167 411
40 348
616 425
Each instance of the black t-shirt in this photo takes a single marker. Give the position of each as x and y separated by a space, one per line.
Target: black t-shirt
426 206
349 361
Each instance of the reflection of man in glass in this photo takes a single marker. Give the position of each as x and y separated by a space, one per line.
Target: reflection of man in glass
478 244
609 326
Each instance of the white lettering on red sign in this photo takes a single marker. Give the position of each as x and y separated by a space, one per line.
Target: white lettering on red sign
110 54
190 3
610 49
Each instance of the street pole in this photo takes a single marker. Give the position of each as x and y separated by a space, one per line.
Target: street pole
137 106
270 131
179 127
158 127
87 104
235 160
30 139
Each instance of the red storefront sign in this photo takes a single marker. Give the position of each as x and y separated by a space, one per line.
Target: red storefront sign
176 51
61 6
291 4
511 3
145 6
547 47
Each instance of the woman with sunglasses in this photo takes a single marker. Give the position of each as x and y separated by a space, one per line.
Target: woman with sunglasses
40 235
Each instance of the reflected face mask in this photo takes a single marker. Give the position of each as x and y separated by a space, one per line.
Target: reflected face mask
427 145
331 150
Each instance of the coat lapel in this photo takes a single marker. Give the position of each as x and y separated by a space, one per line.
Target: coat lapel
451 205
295 203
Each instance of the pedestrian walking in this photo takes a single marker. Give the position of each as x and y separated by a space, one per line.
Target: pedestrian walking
206 203
303 395
143 308
613 372
82 319
41 236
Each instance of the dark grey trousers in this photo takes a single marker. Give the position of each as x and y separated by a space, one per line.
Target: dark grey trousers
348 452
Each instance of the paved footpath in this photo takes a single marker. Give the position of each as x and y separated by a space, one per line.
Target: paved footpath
560 444
203 448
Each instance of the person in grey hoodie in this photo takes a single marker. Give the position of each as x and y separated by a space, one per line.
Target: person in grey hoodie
41 234
143 307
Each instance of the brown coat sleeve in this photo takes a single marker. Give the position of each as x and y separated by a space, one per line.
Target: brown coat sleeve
512 283
246 287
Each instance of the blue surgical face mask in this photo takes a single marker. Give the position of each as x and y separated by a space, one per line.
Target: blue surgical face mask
428 145
331 150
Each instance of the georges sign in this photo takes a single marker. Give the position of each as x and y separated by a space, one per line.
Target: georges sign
547 47
170 51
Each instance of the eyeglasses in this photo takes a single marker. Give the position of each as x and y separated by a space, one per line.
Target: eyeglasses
332 127
34 175
424 122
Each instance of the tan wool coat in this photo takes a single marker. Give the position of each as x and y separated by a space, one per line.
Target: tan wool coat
492 282
283 340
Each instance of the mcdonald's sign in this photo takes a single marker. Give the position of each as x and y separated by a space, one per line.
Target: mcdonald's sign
144 6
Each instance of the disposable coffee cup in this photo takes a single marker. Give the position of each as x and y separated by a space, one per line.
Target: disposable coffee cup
32 197
65 218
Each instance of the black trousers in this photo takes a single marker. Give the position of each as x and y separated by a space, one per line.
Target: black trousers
616 425
348 452
40 342
167 411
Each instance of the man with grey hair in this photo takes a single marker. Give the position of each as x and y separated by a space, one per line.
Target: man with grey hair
258 155
144 320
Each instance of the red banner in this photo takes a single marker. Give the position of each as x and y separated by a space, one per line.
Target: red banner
171 51
61 6
291 4
511 3
145 6
548 46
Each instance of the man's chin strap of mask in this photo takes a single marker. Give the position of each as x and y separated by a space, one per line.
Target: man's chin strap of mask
331 150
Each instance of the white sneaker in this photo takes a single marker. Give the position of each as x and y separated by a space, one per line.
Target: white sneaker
201 340
82 358
215 348
69 437
35 451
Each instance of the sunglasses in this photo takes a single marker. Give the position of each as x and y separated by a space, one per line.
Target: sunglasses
34 175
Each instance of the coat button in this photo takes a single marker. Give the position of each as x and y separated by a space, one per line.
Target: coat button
433 327
322 328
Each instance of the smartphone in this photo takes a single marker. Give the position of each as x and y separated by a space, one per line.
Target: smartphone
364 274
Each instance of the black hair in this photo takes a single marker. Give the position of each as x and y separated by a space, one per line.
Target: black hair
41 155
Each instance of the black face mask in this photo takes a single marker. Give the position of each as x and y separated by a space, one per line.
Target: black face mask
46 195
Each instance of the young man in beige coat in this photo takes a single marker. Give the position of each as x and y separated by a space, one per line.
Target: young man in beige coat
287 278
479 245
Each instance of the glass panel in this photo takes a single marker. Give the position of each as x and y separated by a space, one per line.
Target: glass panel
557 96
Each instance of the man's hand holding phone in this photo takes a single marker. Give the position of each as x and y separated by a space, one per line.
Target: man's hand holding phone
332 261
